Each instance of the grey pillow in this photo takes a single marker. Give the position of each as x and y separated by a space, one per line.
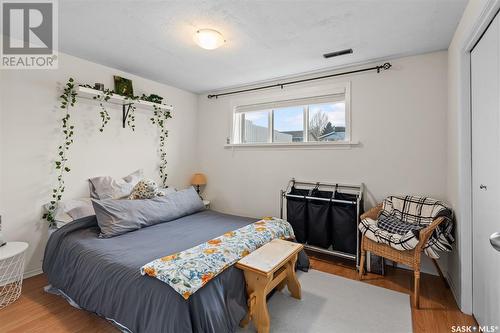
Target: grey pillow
107 187
81 211
116 217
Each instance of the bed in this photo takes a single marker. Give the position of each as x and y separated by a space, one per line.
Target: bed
102 275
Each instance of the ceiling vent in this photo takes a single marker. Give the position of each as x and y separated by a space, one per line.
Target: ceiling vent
337 53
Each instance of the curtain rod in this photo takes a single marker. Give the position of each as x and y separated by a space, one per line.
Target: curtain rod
385 66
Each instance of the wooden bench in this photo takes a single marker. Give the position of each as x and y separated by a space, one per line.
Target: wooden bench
270 266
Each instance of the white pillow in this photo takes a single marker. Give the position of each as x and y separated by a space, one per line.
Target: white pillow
62 217
107 187
69 210
82 211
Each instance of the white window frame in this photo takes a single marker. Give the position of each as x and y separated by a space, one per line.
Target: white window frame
306 97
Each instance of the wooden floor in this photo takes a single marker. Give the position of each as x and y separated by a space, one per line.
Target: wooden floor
37 311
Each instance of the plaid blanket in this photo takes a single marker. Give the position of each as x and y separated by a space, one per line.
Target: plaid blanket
401 219
395 226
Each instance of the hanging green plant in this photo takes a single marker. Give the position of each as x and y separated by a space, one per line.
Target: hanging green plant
131 112
159 119
152 98
105 118
131 118
68 99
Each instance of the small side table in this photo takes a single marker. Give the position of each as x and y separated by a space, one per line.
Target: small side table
11 271
206 203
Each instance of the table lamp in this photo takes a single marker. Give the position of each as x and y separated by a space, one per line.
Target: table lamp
198 180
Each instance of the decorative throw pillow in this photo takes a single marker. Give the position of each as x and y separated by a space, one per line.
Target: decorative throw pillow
107 187
145 189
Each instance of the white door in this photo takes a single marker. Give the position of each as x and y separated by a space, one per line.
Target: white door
485 94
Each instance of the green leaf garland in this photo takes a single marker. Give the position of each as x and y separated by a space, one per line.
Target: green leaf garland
159 119
68 99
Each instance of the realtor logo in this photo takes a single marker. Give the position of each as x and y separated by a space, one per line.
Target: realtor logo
29 34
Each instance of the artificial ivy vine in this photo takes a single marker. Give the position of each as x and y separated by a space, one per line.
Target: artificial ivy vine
131 113
159 119
105 118
68 99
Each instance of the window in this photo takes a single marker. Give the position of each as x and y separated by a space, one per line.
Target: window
255 126
288 124
327 121
315 119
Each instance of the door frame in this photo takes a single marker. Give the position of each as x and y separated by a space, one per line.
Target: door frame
489 9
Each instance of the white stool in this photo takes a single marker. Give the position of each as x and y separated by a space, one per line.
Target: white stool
11 271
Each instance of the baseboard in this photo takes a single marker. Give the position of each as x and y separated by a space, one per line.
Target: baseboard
33 272
423 269
453 289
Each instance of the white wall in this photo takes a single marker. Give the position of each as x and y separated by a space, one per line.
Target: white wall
398 116
30 134
476 17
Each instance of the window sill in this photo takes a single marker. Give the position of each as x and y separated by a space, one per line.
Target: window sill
299 145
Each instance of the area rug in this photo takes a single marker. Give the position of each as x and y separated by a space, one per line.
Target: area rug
334 304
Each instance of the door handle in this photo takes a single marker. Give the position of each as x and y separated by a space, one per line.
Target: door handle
495 240
483 187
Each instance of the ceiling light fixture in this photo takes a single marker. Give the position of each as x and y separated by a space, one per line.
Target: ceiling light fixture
208 39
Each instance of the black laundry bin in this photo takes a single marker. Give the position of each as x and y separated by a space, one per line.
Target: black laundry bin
345 223
296 213
319 219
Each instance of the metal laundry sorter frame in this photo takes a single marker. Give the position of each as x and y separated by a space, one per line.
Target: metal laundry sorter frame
356 190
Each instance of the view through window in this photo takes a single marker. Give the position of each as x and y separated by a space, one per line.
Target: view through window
313 122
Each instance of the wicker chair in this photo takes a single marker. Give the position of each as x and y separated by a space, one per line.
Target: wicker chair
410 258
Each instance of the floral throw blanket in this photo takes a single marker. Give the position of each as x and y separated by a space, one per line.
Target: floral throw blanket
191 269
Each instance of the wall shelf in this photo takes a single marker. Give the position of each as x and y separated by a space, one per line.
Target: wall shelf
94 94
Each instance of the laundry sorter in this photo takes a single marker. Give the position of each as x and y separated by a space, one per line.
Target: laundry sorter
324 216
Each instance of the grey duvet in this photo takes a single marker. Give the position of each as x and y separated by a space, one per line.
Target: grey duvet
102 275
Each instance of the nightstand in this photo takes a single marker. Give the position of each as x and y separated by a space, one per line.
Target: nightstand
11 271
206 203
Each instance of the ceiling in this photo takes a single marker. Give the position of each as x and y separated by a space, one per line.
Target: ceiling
265 39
